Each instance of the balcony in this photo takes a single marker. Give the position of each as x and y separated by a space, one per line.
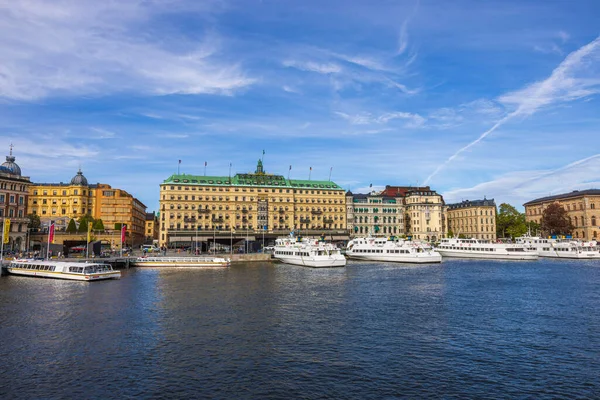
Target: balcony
203 211
189 220
316 212
217 220
327 221
281 211
244 211
305 220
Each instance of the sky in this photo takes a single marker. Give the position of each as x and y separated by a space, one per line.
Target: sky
495 99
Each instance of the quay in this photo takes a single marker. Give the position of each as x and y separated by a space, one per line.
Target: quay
125 261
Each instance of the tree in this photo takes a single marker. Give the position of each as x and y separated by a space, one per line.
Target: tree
83 226
510 222
98 225
72 227
555 221
118 226
34 221
450 233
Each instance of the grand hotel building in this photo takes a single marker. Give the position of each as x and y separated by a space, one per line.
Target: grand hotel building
253 202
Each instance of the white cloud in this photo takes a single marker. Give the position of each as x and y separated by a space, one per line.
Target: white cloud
312 66
97 47
412 120
102 134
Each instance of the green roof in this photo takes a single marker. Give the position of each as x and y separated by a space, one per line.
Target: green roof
268 180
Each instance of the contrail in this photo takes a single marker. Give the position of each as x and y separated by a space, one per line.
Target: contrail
539 94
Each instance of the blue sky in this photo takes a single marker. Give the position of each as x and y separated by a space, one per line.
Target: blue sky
475 98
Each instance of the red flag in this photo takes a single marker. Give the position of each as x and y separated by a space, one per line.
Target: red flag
51 234
123 230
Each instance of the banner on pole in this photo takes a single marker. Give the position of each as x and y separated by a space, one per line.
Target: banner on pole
123 230
6 230
89 232
51 234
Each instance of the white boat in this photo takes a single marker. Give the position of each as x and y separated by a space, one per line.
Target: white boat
181 262
308 253
392 250
63 270
561 248
484 249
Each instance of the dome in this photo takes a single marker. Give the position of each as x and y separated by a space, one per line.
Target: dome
349 193
10 166
79 179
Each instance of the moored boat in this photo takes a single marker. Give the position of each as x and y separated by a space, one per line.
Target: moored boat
392 250
308 253
554 248
484 249
63 270
181 262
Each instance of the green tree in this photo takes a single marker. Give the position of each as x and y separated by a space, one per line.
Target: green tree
72 227
555 221
83 226
118 226
450 233
510 222
34 221
98 225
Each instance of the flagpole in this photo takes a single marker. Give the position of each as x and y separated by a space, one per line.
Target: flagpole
204 168
230 171
48 245
330 169
290 170
178 165
310 173
121 240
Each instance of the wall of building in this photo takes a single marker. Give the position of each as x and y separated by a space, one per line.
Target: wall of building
473 219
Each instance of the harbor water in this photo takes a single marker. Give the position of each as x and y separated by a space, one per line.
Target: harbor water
459 329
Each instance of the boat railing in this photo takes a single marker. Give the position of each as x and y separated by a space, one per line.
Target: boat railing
180 259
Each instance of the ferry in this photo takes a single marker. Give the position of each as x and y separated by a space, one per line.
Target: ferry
561 248
63 270
391 249
308 253
484 249
181 262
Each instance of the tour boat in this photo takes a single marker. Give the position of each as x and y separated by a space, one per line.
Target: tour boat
484 249
181 262
63 270
561 248
391 249
308 253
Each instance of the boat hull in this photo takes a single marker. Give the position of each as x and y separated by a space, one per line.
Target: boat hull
576 256
65 275
325 262
522 256
418 258
191 262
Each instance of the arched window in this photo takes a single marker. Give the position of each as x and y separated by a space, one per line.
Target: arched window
594 221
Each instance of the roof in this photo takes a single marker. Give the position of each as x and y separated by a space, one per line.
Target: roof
573 194
400 191
266 180
473 203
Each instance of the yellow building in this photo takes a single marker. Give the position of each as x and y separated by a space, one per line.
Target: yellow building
14 190
61 202
425 214
151 228
474 219
582 207
254 202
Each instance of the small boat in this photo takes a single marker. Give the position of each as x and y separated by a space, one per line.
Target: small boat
484 249
308 253
391 250
63 270
181 262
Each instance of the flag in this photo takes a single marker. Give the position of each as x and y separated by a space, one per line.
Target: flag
179 161
371 185
290 167
311 168
123 230
51 234
89 232
6 230
263 152
205 163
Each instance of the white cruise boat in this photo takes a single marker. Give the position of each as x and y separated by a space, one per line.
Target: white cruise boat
561 248
484 249
308 253
181 262
391 249
63 270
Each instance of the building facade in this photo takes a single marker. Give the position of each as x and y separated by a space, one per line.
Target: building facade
253 202
61 202
582 207
152 231
374 214
473 218
14 192
425 214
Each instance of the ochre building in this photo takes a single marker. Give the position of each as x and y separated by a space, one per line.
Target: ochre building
473 218
583 210
61 202
14 190
425 214
254 202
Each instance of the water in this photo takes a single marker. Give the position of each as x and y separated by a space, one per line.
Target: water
461 329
